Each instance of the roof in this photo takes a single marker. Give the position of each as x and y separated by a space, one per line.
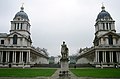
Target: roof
103 14
3 34
22 14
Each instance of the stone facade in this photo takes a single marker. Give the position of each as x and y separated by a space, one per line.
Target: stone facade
106 49
16 48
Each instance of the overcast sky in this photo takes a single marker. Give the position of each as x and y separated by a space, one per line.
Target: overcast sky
55 21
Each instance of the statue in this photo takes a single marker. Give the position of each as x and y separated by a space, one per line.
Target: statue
64 51
64 72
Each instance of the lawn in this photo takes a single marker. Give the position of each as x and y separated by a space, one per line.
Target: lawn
97 73
19 72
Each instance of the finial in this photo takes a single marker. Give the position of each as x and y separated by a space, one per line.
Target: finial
22 8
103 8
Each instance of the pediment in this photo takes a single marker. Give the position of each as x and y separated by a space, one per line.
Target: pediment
110 33
15 33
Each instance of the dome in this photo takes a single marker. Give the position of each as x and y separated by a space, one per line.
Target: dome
103 14
21 14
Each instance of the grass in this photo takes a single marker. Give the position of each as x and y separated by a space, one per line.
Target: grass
18 72
97 73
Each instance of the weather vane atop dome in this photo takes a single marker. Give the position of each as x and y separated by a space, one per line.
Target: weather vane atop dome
22 4
102 3
22 8
103 8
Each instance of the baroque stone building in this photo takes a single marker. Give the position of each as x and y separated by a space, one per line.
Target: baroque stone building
106 49
16 48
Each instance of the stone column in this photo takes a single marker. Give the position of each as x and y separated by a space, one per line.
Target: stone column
117 54
13 59
6 56
22 56
105 56
96 55
15 56
110 57
119 57
29 57
1 56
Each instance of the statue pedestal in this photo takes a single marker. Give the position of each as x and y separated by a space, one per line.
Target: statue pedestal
64 72
64 64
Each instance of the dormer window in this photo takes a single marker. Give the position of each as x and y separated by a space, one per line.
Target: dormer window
2 41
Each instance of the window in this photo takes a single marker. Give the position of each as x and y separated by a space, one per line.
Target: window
15 39
110 26
107 26
18 18
15 26
27 27
18 26
2 41
21 26
103 25
110 39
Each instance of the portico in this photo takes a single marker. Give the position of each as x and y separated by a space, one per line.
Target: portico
107 56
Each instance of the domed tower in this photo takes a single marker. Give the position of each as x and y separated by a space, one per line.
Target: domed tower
104 23
20 30
20 23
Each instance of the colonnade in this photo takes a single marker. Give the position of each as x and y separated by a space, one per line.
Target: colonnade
14 56
107 56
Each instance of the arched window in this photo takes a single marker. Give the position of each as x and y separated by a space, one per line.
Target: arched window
110 39
15 39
